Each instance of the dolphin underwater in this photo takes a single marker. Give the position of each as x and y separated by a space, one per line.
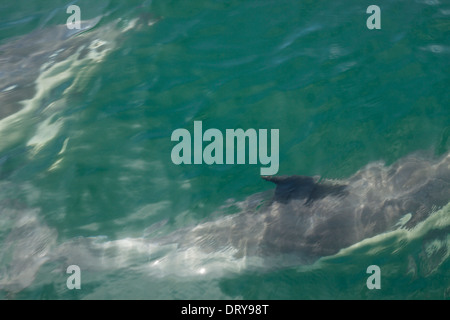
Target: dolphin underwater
306 217
302 220
24 58
42 71
309 218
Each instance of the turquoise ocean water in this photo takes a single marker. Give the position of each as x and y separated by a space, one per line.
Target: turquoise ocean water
86 175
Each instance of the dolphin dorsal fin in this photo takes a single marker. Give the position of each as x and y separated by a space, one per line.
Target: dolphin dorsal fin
292 187
305 188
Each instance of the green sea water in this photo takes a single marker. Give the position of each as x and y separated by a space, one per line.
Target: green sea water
89 162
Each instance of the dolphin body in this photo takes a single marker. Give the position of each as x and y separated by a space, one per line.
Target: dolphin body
24 58
308 218
41 71
305 219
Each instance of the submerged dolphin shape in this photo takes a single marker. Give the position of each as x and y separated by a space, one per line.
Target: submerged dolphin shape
40 72
24 58
304 220
309 219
